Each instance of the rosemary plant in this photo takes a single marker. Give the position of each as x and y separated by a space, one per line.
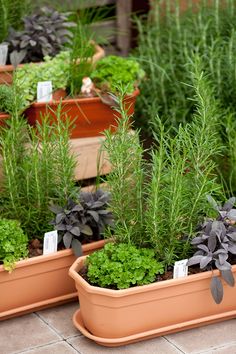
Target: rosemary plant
160 205
126 178
167 38
38 170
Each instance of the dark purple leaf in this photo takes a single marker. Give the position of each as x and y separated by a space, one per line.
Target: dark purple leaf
222 258
229 204
55 209
59 217
77 247
224 266
194 260
212 243
217 289
94 214
232 214
196 240
204 248
67 238
212 202
205 260
85 229
227 275
75 231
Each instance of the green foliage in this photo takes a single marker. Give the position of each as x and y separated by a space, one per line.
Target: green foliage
81 52
13 243
113 70
126 179
160 205
122 266
52 69
6 98
38 169
165 44
11 14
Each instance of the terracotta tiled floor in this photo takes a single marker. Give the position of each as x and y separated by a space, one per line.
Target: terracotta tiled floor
51 332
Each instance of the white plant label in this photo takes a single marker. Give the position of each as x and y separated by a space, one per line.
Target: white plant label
180 269
44 91
3 53
50 242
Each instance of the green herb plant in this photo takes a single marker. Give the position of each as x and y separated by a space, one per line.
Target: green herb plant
159 205
113 70
167 38
38 170
13 243
122 266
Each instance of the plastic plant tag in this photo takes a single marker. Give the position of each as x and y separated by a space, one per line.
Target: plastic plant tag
3 53
44 91
50 242
180 269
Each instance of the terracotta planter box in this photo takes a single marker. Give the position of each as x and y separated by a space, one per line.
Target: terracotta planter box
6 71
91 114
3 117
117 317
39 282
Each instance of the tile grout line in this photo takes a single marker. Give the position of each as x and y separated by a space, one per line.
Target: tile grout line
174 345
37 347
49 325
208 351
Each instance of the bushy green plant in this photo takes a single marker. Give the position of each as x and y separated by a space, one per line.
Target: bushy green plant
161 208
38 170
6 98
113 70
13 243
167 39
52 69
122 266
11 15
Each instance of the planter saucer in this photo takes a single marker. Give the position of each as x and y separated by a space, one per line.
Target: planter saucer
115 342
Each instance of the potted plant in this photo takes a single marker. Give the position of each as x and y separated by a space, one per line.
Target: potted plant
158 210
91 113
38 171
44 33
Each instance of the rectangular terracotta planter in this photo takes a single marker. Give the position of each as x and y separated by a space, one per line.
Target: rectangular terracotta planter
91 115
117 317
39 282
3 117
6 71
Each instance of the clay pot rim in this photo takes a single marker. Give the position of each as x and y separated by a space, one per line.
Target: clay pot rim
79 100
79 262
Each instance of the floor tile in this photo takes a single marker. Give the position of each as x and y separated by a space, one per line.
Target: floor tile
205 338
229 349
157 346
21 333
60 318
57 348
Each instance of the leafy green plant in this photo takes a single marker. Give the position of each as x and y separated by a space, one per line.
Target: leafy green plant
6 98
52 69
158 205
45 33
167 39
38 170
113 70
82 221
13 243
121 266
11 15
126 178
216 244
